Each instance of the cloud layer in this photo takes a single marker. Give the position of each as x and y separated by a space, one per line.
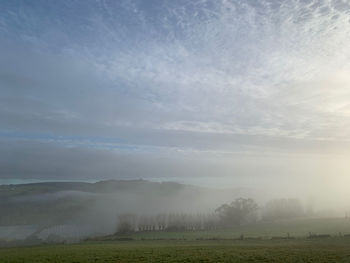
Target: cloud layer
161 88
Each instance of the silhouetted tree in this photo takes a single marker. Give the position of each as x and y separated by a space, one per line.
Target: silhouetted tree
166 222
126 223
242 210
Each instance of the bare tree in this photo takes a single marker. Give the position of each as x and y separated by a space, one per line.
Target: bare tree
127 223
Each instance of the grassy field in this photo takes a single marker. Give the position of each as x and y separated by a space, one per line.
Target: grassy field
298 250
259 245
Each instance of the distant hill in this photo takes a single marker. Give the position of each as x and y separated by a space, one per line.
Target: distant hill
96 206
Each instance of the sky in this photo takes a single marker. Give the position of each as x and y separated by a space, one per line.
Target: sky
220 93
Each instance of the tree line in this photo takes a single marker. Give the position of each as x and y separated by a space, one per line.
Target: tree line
238 212
167 222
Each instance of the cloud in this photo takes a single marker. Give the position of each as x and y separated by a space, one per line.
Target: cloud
182 78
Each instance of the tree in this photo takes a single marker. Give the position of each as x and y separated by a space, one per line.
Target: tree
241 210
127 223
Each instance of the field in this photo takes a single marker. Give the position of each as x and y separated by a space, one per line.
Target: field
299 250
261 243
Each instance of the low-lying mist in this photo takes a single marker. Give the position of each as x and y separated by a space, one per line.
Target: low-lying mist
73 211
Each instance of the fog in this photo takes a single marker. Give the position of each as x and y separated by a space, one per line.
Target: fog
94 209
224 98
74 211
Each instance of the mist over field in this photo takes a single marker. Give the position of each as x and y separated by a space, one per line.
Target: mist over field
73 211
79 210
146 111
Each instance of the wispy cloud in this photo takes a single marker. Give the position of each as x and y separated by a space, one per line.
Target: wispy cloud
200 76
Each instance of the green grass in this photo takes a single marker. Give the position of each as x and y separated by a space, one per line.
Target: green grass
299 250
192 246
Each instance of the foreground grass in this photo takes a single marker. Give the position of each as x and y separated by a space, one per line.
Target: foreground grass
298 250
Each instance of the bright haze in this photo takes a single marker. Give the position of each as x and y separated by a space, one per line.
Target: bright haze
226 94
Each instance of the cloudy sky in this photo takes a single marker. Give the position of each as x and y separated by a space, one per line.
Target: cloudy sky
217 92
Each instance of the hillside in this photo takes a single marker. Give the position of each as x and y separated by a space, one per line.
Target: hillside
79 209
